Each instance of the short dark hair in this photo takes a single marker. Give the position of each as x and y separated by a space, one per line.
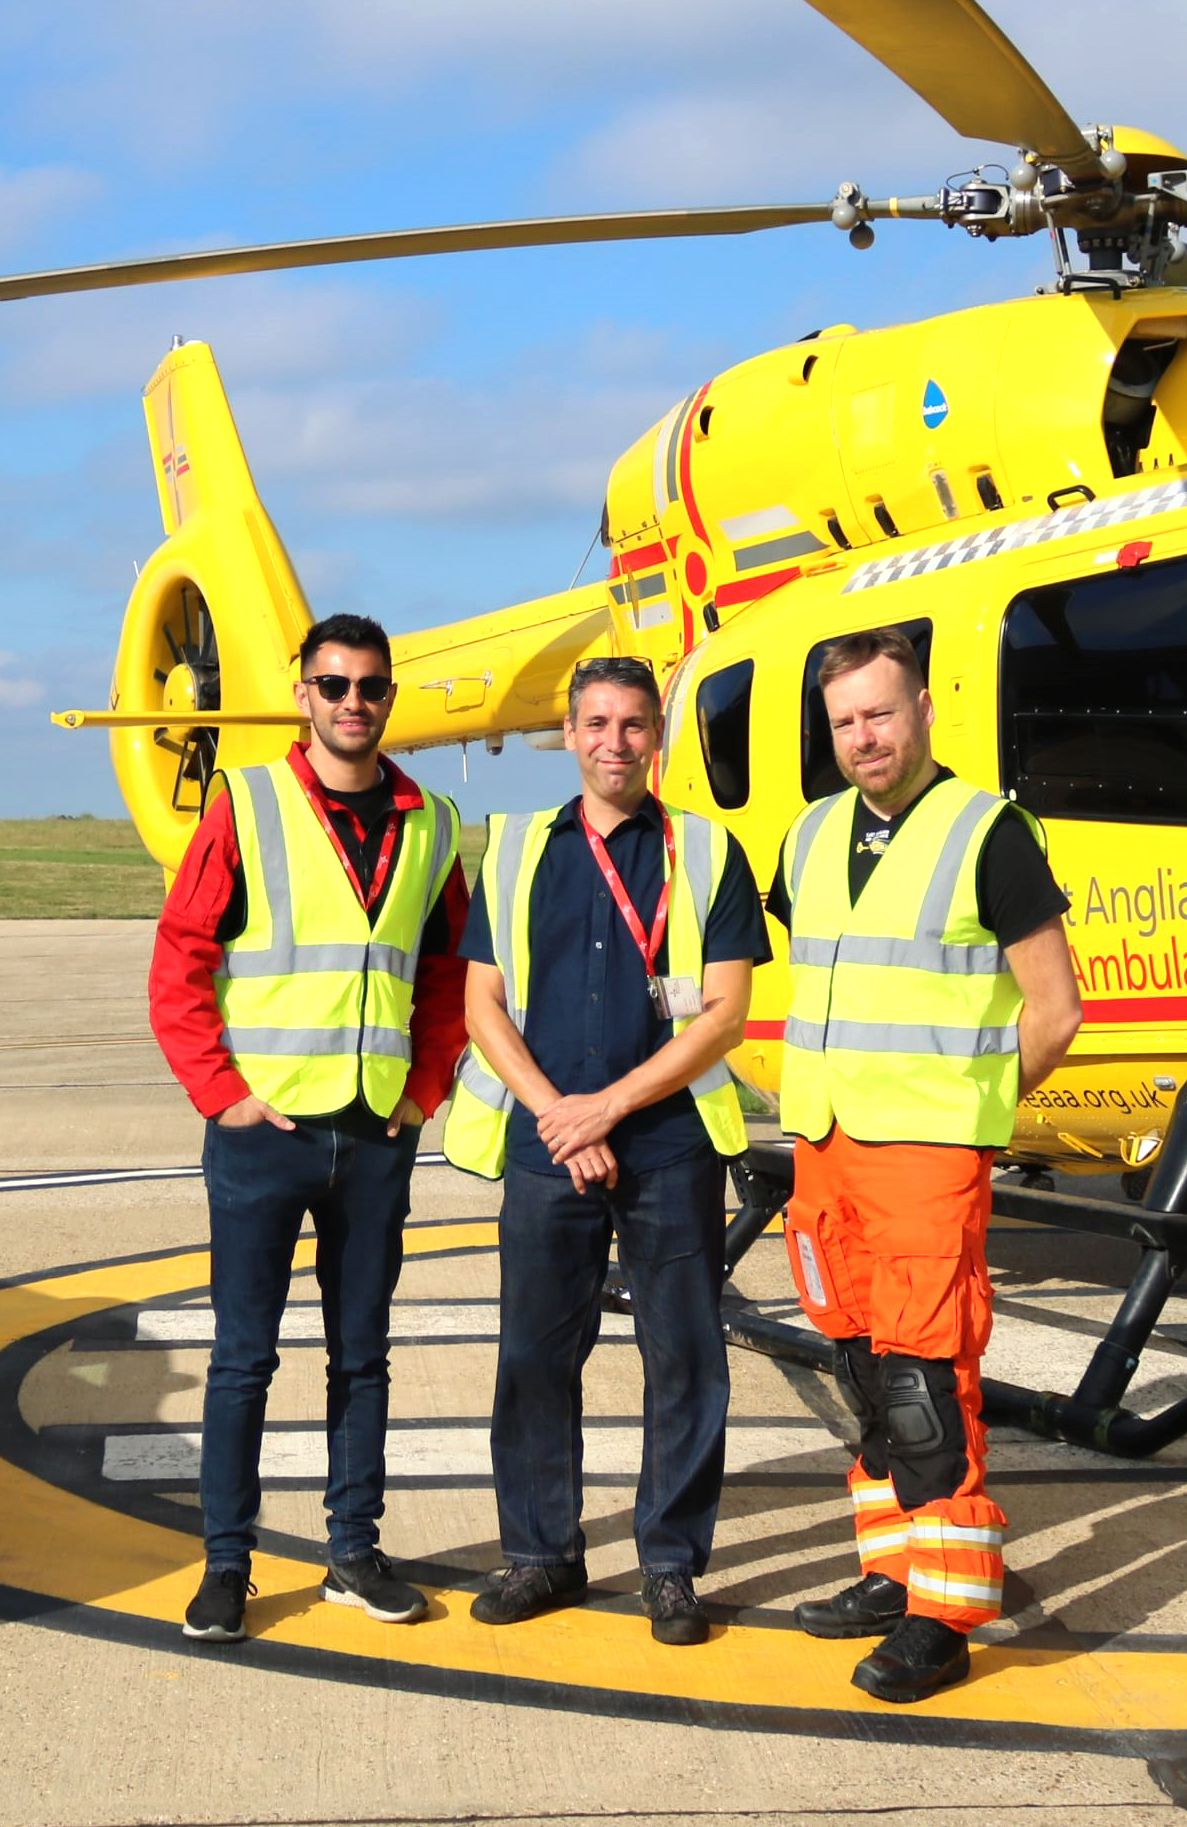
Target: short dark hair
614 669
345 631
854 651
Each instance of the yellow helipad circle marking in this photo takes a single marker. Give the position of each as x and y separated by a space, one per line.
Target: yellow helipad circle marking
66 1547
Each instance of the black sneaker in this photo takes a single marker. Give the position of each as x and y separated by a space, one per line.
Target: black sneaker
871 1608
523 1592
370 1583
677 1615
920 1656
215 1613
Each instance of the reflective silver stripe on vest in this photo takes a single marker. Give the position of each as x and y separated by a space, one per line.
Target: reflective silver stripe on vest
715 1079
489 1091
812 822
937 902
279 958
390 958
510 861
698 866
481 1084
818 952
697 857
442 837
387 958
901 1037
317 1043
930 955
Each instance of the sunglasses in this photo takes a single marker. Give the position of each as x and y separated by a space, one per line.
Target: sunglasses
334 686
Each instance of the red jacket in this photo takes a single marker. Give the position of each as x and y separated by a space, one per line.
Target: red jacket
182 1007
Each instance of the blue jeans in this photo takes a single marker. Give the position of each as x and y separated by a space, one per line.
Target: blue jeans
554 1244
260 1182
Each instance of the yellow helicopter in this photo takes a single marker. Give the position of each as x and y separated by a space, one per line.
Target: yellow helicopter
1008 483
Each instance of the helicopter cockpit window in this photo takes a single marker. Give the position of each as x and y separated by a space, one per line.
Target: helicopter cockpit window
819 773
723 721
1094 696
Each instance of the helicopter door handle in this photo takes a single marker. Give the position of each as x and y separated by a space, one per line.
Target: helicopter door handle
1075 488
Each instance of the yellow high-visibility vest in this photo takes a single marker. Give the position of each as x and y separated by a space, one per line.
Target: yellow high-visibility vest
904 1012
476 1125
315 1002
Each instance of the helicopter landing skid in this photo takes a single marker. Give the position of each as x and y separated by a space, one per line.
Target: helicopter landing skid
1092 1416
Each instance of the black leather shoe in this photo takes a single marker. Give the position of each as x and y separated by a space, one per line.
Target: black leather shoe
869 1609
676 1613
524 1592
919 1657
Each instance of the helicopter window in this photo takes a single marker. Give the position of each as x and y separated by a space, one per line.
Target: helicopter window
819 773
723 720
1094 696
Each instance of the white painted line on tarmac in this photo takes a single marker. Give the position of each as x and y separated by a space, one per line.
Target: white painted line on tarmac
112 1176
438 1452
301 1322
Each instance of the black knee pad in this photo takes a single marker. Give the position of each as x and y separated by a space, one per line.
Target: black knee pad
922 1413
856 1370
924 1428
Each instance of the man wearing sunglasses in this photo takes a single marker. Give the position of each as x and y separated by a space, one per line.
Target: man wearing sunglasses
306 991
611 943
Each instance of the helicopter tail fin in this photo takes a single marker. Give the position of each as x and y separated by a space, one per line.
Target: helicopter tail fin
198 460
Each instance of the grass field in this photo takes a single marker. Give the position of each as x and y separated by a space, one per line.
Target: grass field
97 869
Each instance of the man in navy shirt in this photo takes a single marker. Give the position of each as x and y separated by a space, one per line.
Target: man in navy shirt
635 927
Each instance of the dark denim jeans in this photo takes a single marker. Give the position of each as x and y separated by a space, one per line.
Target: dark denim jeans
260 1182
554 1244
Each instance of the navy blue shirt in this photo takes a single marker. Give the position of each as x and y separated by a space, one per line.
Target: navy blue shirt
590 1018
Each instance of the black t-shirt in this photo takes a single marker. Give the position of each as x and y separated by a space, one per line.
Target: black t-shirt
1016 891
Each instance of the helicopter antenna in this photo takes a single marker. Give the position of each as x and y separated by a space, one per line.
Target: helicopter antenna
589 548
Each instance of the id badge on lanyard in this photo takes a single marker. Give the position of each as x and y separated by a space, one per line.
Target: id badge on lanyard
672 998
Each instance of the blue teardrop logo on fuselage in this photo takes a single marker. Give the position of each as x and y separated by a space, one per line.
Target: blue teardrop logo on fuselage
935 406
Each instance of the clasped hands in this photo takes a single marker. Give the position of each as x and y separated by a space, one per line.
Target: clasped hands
574 1132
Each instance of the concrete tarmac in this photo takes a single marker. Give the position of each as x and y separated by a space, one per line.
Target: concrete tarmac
1076 1710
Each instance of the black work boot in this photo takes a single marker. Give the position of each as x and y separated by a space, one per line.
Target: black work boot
919 1657
869 1609
523 1592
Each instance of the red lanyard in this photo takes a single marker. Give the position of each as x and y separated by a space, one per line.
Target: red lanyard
384 861
649 948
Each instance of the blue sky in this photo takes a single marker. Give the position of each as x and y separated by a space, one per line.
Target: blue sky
432 438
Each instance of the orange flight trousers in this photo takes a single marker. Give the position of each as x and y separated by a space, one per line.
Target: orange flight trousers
887 1242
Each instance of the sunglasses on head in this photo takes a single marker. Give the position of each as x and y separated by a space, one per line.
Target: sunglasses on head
333 686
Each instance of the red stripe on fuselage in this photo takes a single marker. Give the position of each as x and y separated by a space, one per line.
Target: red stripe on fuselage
1131 1010
750 589
686 493
643 557
1135 1009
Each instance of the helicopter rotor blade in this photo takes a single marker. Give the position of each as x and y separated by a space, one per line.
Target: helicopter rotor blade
963 65
553 231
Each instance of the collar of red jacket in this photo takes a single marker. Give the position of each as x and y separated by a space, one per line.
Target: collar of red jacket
406 795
